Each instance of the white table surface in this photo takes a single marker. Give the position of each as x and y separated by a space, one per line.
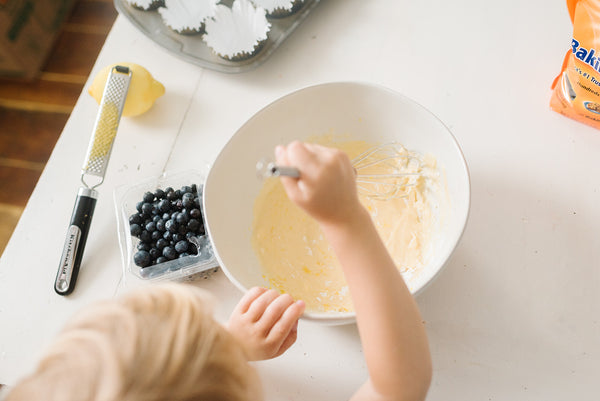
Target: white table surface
515 314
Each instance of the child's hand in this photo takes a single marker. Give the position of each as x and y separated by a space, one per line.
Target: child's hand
265 322
326 188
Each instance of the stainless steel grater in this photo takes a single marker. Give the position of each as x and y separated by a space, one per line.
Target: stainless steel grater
94 168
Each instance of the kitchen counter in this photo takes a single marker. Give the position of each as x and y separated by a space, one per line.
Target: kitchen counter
515 314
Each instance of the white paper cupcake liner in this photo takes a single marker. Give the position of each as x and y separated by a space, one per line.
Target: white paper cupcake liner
238 32
187 16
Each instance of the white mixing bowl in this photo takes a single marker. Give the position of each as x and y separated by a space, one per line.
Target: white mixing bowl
364 111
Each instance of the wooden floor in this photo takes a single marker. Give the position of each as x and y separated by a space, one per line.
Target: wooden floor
32 115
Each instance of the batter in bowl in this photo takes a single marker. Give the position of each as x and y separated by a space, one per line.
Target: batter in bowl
296 258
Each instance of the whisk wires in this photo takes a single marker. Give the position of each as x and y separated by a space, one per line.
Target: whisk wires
387 171
383 172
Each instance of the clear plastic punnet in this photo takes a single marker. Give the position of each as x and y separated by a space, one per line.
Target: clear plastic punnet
126 200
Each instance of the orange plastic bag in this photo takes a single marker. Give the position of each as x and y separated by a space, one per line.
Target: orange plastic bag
576 90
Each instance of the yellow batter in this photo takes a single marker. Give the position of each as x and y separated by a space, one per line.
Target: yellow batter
295 256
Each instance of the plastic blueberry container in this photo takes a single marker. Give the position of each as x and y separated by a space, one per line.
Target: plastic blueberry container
127 196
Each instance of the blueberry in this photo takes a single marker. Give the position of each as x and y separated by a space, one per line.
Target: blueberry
166 216
195 213
144 246
156 235
142 258
159 193
174 215
183 230
161 243
168 235
179 204
156 218
188 203
145 236
171 226
181 246
194 188
135 230
161 259
154 253
197 202
147 209
138 206
151 227
177 237
193 225
186 189
171 195
182 218
169 252
160 225
164 205
148 197
135 219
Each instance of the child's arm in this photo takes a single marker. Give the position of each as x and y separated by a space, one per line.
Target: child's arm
265 323
389 323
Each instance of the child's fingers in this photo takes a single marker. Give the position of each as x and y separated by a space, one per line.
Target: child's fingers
289 184
281 155
285 324
305 157
260 304
298 154
318 150
274 312
289 340
248 298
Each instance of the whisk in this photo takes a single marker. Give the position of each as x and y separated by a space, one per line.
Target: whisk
383 172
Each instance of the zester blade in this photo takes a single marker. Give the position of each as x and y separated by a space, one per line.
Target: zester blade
107 122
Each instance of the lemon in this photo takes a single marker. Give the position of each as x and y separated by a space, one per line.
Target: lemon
143 89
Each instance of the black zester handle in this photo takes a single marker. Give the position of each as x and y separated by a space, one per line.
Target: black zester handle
75 241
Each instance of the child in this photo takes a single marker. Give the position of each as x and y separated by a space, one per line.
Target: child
161 343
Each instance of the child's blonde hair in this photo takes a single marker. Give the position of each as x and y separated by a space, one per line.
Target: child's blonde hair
159 343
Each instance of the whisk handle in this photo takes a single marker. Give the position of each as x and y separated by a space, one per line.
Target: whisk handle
275 171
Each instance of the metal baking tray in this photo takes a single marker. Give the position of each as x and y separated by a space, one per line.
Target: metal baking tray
192 48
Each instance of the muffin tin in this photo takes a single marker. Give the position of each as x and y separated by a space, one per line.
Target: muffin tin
192 48
126 197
